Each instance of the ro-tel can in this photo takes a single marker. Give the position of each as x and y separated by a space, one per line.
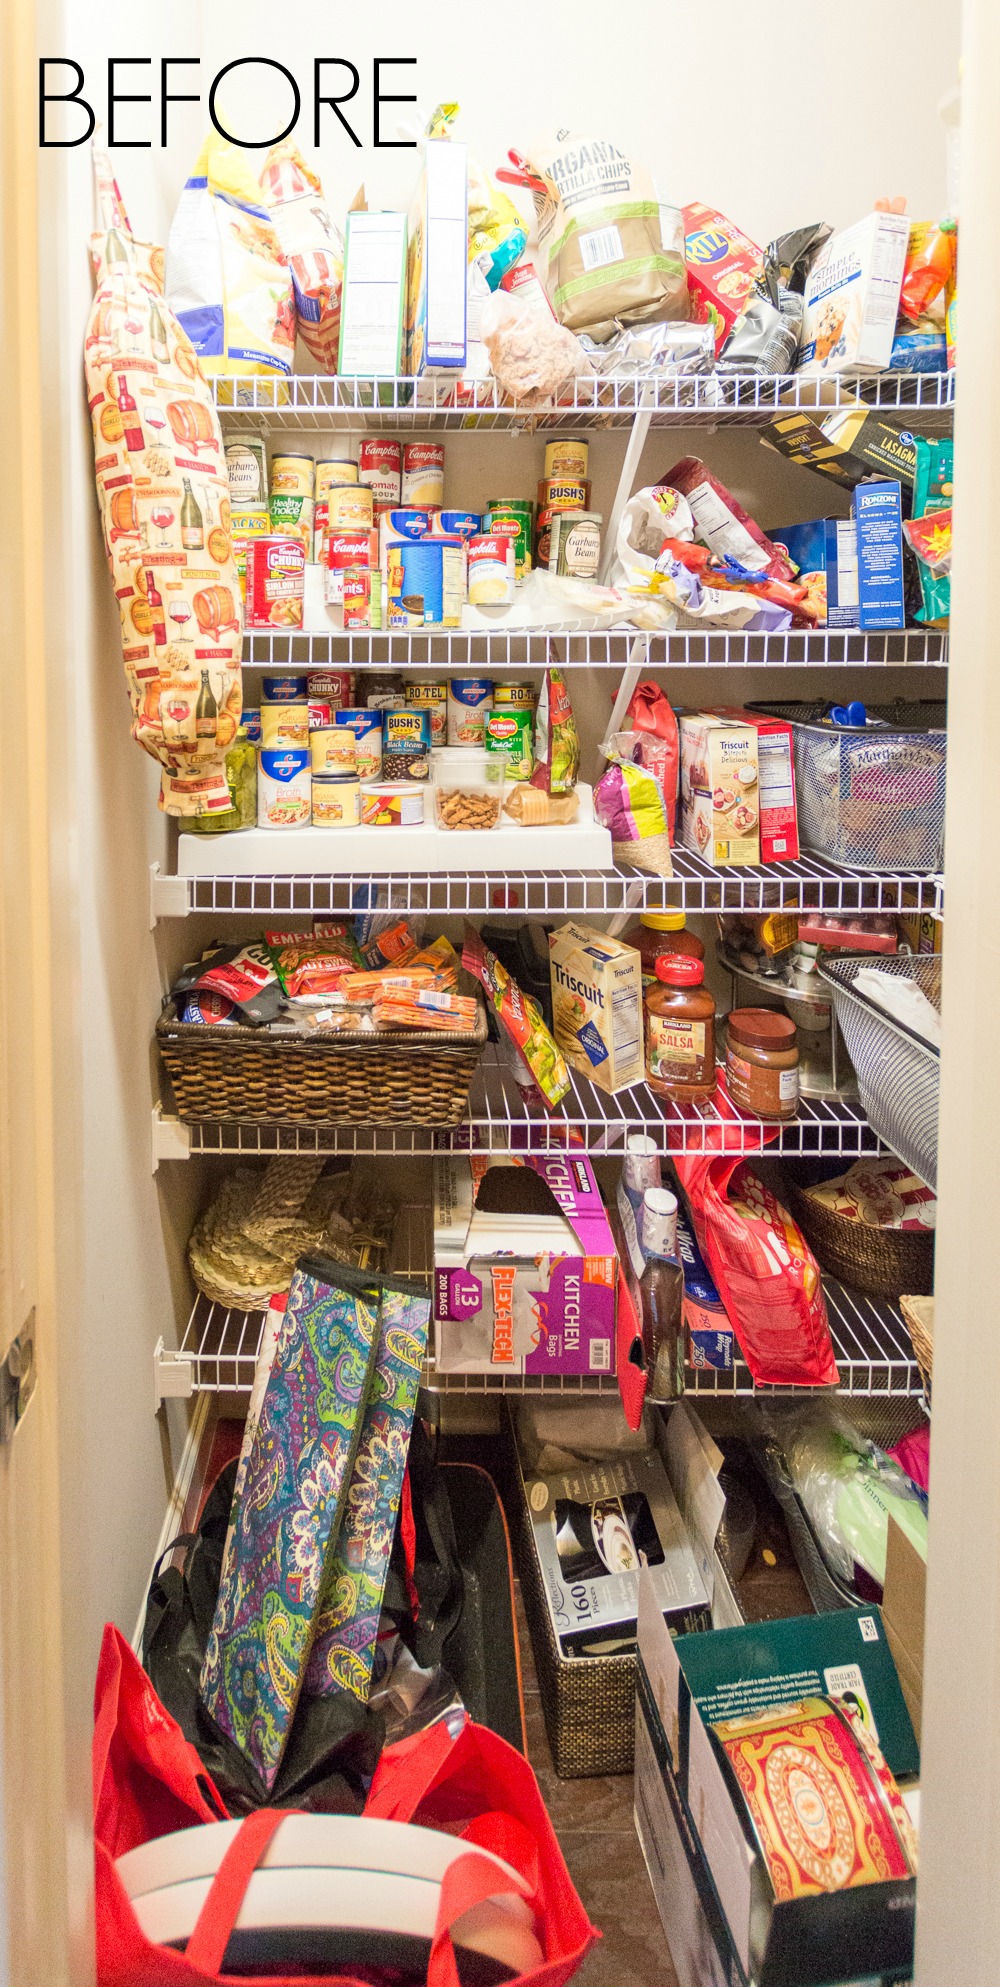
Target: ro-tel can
423 473
512 519
284 727
293 475
336 803
246 468
276 574
512 732
380 465
491 571
470 698
250 723
252 521
567 458
283 790
426 583
430 694
333 471
345 550
576 544
458 524
392 806
292 517
406 744
333 753
285 689
514 696
367 728
331 686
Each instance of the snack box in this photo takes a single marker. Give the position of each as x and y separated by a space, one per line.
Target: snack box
721 265
878 522
848 445
597 1005
826 553
371 318
711 1341
438 260
530 1288
806 1937
852 297
779 828
719 814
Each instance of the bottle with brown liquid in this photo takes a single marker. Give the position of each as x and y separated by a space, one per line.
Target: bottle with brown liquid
661 1288
680 1031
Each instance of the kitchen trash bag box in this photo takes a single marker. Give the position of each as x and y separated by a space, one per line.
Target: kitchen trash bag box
525 1270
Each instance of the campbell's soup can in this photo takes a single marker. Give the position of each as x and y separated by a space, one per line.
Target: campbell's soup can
567 458
423 473
293 475
333 471
345 550
367 728
331 686
380 466
491 571
276 578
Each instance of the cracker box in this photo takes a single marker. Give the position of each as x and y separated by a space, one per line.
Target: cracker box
779 827
719 811
878 521
597 1005
721 266
852 297
371 318
438 260
525 1270
825 551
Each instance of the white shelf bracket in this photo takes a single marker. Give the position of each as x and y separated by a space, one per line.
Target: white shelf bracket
169 896
173 1375
170 1139
629 471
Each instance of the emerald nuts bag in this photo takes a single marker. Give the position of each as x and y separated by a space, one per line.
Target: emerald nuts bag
615 252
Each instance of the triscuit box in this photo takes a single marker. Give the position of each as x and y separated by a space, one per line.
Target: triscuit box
848 445
597 1005
438 260
825 551
371 318
719 814
529 1287
779 826
852 297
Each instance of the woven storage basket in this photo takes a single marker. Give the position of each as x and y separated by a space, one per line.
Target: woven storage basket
878 1262
918 1316
401 1076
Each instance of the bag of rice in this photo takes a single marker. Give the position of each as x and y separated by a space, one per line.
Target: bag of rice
227 276
314 246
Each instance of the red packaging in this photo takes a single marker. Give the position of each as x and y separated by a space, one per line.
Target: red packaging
380 465
722 523
653 718
357 596
334 687
276 578
779 824
721 266
345 550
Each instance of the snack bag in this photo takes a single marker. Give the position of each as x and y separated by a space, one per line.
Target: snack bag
930 261
557 741
314 246
932 494
628 802
520 1017
650 715
533 358
227 274
722 524
311 965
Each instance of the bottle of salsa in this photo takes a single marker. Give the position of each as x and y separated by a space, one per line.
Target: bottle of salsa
680 1031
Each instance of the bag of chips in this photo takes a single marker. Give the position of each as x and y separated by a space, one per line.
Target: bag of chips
520 1017
314 246
557 741
227 274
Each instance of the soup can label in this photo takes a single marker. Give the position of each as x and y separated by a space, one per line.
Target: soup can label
276 574
491 571
380 466
336 803
459 524
283 790
246 468
432 698
426 583
567 458
512 522
333 686
512 732
469 700
367 729
293 475
332 472
423 473
344 550
292 517
514 696
285 689
334 751
284 727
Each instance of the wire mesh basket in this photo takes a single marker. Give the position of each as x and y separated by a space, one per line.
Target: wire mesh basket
870 796
898 1073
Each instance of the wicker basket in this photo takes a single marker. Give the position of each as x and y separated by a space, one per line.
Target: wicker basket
877 1262
918 1316
401 1076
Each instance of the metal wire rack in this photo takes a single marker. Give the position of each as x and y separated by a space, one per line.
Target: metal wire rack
367 405
455 651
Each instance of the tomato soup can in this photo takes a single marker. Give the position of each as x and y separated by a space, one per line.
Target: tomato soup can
380 466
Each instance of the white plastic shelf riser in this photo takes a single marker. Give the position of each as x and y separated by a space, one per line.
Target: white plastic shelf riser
455 650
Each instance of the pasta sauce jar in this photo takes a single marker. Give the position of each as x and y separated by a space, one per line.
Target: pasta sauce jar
680 1030
762 1062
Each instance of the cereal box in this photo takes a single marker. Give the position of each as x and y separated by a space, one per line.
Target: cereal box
852 297
720 793
721 266
597 1005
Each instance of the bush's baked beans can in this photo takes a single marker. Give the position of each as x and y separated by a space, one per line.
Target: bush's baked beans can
367 728
431 695
336 803
423 473
563 493
293 475
491 571
332 472
512 519
380 466
567 458
276 577
331 686
333 751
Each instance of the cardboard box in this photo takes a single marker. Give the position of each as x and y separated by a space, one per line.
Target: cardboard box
826 553
597 1016
721 266
852 297
779 828
719 814
523 1291
711 1341
878 521
904 1602
849 444
371 318
438 260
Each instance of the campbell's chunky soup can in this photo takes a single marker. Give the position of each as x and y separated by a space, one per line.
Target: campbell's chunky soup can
367 728
331 686
491 571
423 473
276 577
293 475
380 466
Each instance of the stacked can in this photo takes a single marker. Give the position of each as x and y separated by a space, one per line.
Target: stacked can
334 473
292 500
283 784
564 487
512 519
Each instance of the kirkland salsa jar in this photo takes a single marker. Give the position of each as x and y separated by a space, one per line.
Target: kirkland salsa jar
659 933
680 1031
762 1062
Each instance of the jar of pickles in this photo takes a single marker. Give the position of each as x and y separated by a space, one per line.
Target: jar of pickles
241 779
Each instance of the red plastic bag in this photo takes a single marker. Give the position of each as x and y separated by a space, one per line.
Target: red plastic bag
652 716
764 1270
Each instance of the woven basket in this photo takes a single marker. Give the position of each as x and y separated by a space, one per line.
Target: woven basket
877 1262
399 1076
918 1316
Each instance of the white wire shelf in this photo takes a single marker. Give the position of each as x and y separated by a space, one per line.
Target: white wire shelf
809 884
499 1120
367 405
456 651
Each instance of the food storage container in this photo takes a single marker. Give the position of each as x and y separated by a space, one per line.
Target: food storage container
899 1074
468 788
870 796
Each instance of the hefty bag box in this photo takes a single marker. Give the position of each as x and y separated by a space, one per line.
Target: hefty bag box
852 297
721 265
826 553
779 827
525 1270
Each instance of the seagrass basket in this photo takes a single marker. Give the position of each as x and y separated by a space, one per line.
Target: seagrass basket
878 1262
399 1076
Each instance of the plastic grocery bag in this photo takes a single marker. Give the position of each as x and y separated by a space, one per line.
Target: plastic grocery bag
533 358
314 247
227 274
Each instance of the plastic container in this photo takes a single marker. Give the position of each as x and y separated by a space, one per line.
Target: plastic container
469 788
680 1031
656 934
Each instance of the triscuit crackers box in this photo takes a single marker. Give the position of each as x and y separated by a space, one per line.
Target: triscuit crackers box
597 1005
719 813
852 297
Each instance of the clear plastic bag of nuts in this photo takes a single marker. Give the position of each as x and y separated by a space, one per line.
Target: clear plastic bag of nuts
469 788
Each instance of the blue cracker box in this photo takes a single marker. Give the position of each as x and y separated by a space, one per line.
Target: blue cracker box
878 518
825 550
711 1341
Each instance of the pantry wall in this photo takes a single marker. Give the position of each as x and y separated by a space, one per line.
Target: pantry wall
820 134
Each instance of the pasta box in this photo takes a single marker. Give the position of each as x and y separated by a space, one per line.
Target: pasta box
525 1270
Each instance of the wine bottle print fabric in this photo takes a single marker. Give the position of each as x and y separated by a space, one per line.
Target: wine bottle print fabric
354 1582
292 1502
